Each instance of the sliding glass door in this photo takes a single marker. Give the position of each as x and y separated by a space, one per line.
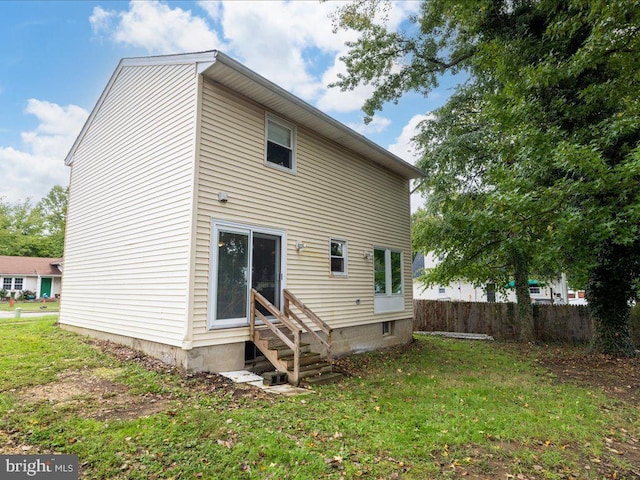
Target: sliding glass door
232 275
243 258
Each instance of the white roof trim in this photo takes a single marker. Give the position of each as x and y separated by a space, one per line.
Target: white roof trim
227 71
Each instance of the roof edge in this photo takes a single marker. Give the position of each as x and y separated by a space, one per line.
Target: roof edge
411 170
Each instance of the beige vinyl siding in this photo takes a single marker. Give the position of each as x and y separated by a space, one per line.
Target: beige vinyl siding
334 194
126 267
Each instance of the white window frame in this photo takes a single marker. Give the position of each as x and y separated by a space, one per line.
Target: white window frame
292 128
241 228
535 290
442 290
344 257
387 301
7 281
15 283
387 329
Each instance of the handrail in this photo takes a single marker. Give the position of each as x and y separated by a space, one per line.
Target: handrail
293 345
276 313
304 309
288 318
290 297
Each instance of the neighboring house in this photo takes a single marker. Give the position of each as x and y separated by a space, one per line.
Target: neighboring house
195 182
39 275
551 292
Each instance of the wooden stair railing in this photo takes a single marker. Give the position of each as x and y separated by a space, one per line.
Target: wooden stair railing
295 345
292 325
290 298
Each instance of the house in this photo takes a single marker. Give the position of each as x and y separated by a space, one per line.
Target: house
39 275
212 212
462 290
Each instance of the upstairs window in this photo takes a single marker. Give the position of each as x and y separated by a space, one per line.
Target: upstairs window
338 257
280 148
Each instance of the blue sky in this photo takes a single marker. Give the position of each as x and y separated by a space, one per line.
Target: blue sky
56 57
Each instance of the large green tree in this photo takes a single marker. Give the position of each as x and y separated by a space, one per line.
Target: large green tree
34 231
554 89
476 213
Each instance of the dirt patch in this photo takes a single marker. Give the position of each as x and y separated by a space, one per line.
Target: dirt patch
95 395
619 378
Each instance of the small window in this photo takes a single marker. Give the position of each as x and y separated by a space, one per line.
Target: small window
534 290
442 290
6 283
17 283
280 148
338 257
387 328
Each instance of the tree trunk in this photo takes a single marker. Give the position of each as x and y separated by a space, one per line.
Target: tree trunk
608 291
525 308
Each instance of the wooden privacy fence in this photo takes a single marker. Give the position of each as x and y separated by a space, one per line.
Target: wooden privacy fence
553 323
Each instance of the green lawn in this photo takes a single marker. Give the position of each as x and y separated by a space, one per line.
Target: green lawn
432 410
31 306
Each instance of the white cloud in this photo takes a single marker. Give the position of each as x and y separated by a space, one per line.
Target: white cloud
335 100
101 20
405 148
377 125
39 165
289 42
156 27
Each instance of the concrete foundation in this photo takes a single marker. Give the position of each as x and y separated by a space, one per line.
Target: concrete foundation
214 358
230 357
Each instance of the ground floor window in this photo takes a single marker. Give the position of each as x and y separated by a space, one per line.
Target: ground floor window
388 280
7 283
338 253
18 283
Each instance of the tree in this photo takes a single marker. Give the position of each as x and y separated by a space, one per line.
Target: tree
475 211
555 87
53 209
30 231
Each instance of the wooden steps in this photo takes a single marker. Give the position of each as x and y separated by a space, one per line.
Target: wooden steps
279 340
313 368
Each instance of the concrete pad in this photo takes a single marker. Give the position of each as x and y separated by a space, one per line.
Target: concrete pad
244 376
460 335
287 389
